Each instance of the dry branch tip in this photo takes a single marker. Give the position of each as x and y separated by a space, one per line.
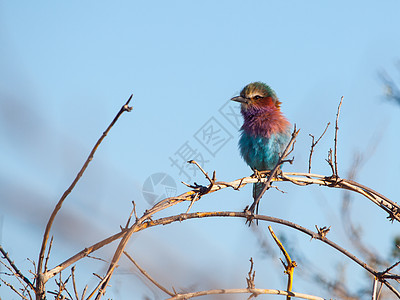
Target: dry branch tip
323 231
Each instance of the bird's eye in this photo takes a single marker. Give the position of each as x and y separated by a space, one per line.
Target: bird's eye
256 97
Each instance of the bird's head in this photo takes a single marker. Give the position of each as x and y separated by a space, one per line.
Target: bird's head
257 94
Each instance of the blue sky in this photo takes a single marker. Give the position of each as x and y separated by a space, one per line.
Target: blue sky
67 67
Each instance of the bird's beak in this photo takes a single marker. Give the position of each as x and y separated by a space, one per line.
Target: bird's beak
240 99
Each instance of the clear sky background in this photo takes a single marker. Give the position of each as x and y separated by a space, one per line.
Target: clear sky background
66 68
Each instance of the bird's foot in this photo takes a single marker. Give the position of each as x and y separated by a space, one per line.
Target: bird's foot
259 174
250 213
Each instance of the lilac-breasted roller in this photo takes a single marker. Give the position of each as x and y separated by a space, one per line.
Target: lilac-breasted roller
265 132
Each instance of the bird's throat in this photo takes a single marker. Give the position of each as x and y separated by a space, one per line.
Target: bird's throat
264 121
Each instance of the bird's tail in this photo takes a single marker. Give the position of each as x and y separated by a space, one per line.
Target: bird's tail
257 189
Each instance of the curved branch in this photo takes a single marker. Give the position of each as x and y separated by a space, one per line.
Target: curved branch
391 207
244 291
313 235
302 179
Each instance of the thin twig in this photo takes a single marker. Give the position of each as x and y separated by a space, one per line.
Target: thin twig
73 282
313 144
202 190
201 169
336 131
251 275
148 276
59 286
84 292
65 287
48 254
330 162
195 198
99 285
130 216
98 276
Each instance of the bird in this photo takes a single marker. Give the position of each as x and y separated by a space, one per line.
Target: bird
265 132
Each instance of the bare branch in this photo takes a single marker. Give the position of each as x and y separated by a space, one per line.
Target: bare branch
244 291
40 279
202 170
289 267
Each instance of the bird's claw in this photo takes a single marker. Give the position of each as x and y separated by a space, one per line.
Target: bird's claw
249 214
258 174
